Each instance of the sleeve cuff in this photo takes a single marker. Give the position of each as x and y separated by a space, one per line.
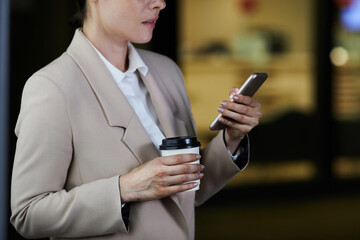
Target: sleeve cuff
241 157
125 212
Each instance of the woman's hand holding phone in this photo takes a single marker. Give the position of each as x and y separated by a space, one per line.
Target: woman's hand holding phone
241 113
239 117
249 88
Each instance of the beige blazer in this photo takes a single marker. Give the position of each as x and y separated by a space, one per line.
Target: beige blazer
77 134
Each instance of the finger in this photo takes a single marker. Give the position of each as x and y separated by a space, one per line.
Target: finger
232 92
246 100
180 159
239 117
243 128
179 188
183 178
240 109
236 118
184 169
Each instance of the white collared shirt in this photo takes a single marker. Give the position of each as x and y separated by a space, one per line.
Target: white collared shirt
138 96
133 88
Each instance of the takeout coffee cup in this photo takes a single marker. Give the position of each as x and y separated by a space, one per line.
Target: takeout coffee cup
181 145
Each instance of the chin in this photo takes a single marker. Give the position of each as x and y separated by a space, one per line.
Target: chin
141 39
141 42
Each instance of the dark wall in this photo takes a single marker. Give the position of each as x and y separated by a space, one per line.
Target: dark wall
39 33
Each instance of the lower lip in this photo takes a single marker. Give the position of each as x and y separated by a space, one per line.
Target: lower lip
150 24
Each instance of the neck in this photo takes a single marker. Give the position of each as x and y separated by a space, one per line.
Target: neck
114 51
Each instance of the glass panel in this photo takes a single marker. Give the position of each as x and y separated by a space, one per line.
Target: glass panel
222 42
346 58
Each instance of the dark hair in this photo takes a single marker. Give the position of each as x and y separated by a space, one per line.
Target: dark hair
78 19
82 8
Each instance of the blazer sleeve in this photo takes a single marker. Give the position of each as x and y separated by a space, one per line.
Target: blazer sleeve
219 168
40 205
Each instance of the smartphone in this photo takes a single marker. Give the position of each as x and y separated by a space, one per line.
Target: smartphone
249 88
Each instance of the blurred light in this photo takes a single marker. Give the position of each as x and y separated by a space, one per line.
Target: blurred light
343 3
248 6
339 56
350 16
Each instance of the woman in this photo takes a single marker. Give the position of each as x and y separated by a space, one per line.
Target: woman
87 164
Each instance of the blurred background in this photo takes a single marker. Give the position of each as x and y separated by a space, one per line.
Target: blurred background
303 178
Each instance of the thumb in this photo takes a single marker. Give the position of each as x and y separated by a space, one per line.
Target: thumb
233 91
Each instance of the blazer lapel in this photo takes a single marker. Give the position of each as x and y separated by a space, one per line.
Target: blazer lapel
137 139
115 106
167 112
164 105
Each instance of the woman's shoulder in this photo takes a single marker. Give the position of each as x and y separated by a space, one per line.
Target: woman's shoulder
60 71
59 67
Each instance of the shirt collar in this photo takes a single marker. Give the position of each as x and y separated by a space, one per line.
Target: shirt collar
135 63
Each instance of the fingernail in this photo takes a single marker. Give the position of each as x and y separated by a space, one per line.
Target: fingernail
236 97
202 167
198 156
201 175
220 109
223 103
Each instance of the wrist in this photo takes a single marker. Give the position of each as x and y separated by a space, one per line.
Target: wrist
124 193
232 143
231 135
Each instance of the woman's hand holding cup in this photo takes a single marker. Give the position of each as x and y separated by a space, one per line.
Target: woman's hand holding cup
160 178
